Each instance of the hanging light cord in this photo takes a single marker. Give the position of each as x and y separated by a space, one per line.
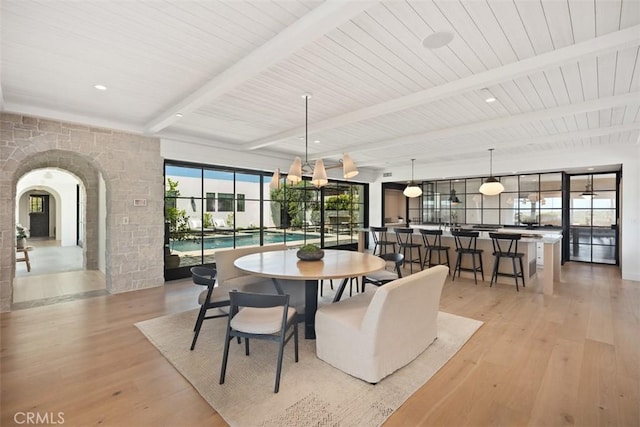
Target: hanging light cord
490 162
412 163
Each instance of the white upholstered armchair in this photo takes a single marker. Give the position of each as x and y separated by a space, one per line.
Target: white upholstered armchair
373 334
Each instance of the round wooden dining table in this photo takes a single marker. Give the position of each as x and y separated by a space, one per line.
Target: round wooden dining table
335 264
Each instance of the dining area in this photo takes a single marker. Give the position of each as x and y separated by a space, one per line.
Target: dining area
265 292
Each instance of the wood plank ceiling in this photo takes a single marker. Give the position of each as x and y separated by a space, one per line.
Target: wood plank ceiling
565 74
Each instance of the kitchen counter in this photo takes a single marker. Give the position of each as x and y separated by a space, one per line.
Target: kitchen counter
550 239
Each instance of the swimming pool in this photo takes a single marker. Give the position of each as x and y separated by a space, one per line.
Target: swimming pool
242 239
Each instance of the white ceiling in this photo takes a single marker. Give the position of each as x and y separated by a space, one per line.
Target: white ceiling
566 74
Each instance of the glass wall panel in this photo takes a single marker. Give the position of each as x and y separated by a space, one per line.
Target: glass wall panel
604 182
473 185
530 200
490 216
510 183
208 209
183 216
474 216
344 212
593 217
490 202
529 183
550 182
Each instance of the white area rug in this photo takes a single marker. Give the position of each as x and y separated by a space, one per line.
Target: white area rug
312 393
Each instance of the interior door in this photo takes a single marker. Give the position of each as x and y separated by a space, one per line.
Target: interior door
593 218
39 215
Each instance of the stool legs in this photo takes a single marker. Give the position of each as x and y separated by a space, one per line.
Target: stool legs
476 266
516 274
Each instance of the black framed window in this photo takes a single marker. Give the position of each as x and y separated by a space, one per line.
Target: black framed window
240 205
211 202
225 202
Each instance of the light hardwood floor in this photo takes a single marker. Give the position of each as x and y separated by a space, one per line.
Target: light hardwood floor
569 359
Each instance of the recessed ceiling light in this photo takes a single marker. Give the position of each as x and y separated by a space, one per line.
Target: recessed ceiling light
589 169
317 141
488 96
437 40
100 87
178 114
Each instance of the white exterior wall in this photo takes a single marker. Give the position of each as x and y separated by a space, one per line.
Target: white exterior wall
62 207
192 186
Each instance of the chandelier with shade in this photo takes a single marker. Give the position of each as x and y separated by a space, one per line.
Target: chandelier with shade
318 172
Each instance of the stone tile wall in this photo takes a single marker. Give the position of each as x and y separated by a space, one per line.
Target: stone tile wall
132 168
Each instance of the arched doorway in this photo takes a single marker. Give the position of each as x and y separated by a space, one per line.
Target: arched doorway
49 204
52 193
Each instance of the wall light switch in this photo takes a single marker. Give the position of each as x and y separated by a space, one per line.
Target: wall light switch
125 220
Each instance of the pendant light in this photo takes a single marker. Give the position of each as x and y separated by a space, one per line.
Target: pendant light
275 180
491 186
318 172
588 191
453 199
412 189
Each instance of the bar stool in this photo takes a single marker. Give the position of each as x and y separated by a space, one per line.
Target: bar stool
466 242
380 239
405 241
432 240
505 245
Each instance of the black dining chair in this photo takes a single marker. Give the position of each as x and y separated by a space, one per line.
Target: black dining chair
207 299
385 276
260 316
505 245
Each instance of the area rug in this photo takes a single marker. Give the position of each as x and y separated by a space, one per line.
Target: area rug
312 393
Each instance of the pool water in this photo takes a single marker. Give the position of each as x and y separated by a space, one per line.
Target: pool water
242 239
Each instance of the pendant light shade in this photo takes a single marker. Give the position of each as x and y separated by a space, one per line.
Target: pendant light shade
348 167
412 189
319 178
275 180
295 171
491 186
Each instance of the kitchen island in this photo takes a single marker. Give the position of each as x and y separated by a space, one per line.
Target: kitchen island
550 263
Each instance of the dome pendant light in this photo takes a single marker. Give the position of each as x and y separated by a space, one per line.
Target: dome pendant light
491 186
412 189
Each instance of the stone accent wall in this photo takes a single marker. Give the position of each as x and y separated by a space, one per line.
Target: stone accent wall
132 168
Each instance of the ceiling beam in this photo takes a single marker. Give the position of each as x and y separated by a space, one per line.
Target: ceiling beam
502 122
324 18
628 37
551 139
